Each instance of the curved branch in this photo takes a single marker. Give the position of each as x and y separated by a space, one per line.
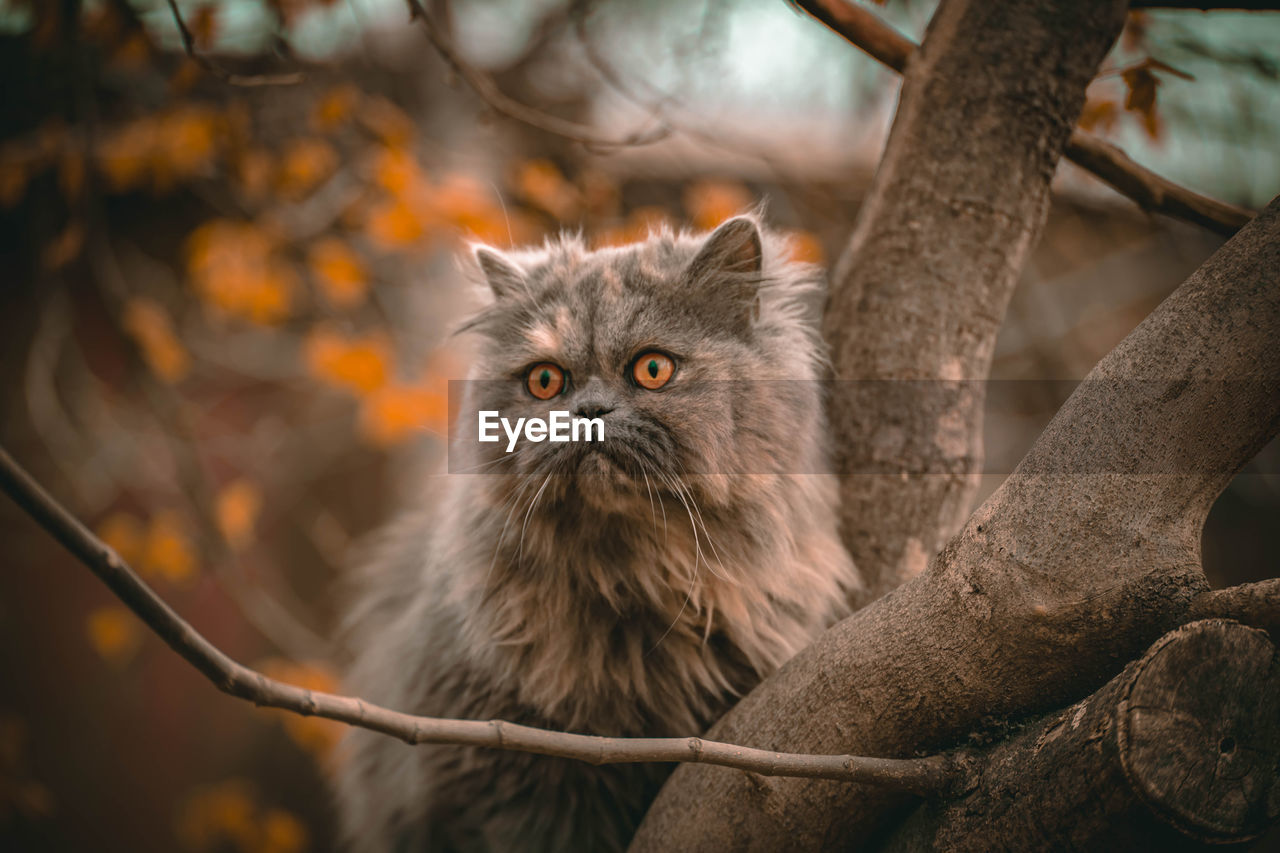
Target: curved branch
1105 161
1084 556
1151 191
246 80
484 86
935 774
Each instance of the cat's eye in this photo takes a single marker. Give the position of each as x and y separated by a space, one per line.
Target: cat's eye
652 370
545 380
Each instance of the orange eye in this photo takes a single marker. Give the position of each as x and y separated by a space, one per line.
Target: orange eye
545 380
653 370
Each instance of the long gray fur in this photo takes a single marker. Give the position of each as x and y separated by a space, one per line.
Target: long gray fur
602 588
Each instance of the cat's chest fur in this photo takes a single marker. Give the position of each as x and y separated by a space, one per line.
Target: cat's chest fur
653 623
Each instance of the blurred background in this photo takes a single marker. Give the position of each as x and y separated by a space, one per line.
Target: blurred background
229 272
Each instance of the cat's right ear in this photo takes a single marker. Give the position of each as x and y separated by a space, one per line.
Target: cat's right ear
502 274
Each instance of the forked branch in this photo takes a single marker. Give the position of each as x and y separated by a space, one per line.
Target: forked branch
497 100
1105 161
247 80
932 775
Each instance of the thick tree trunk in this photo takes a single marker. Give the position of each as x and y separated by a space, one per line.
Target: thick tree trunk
958 202
1177 752
1086 554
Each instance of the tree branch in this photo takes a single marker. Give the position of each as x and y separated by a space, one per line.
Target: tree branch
919 295
1078 562
1256 604
497 100
1182 745
1105 161
1151 191
937 774
248 81
1243 5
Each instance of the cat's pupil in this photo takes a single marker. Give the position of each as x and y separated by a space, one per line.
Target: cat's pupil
653 368
545 378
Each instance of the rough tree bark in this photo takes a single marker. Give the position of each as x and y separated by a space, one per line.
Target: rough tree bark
1087 553
1090 550
1179 749
987 106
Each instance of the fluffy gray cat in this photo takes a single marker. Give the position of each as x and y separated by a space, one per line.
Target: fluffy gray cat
635 586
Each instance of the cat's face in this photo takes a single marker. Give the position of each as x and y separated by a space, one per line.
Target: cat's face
658 340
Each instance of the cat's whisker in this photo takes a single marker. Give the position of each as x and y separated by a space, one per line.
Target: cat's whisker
705 531
506 457
512 501
653 513
688 596
697 543
528 512
684 492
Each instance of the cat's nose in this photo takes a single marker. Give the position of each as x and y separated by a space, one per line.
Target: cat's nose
593 409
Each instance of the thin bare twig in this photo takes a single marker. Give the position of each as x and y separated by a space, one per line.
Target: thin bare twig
931 775
501 103
246 80
1152 192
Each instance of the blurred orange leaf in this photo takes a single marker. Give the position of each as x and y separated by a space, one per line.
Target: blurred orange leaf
335 108
237 507
396 412
64 248
71 174
281 832
339 272
236 270
123 154
149 325
185 144
473 207
805 247
304 164
1099 114
709 203
133 53
189 73
124 533
357 364
541 183
1142 84
394 225
13 180
216 813
386 121
254 169
204 26
115 633
167 552
397 171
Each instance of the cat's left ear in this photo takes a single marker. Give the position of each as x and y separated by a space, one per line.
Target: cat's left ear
501 272
727 269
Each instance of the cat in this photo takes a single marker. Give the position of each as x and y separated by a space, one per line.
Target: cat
635 586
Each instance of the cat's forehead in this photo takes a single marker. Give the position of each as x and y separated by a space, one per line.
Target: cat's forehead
597 304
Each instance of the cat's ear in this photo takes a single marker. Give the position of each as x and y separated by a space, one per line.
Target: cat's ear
502 274
727 270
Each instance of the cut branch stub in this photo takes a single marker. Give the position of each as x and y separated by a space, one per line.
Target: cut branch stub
1177 752
1199 731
